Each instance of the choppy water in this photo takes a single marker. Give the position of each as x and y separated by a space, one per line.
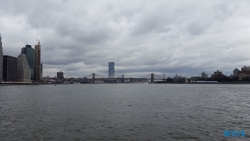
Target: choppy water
123 112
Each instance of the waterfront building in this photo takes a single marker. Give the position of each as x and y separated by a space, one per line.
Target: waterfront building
245 68
179 79
218 75
1 59
195 78
206 82
23 69
9 68
38 62
110 80
236 72
204 75
60 75
111 69
30 55
245 72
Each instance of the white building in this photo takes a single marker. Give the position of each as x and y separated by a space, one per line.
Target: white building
23 69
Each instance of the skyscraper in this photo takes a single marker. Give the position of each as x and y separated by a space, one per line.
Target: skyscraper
38 62
9 68
30 55
1 59
111 69
236 72
60 75
23 69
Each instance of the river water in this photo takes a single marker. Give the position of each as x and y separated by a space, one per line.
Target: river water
124 112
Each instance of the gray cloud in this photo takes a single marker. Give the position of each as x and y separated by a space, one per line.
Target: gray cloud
141 37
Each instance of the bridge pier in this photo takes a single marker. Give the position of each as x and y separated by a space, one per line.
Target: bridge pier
93 78
152 78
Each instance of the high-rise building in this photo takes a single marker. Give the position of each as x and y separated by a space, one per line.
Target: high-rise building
23 69
38 62
1 59
9 68
30 55
111 69
236 72
60 75
204 75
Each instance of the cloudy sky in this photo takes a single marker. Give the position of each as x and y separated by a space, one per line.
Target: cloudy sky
80 37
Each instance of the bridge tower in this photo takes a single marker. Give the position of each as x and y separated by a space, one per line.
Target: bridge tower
152 77
93 77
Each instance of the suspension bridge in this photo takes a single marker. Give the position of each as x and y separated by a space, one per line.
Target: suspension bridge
96 78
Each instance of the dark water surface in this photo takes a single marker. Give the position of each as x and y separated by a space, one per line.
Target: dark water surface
124 112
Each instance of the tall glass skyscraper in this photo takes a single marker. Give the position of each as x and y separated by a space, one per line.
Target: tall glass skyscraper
111 69
30 56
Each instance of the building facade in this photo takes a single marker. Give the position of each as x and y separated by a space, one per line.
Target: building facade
38 62
1 59
236 72
30 55
60 75
204 75
111 69
23 69
218 75
9 68
179 79
245 68
245 72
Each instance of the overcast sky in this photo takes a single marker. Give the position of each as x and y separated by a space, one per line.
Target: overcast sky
80 37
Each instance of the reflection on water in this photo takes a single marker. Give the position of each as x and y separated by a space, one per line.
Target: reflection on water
123 112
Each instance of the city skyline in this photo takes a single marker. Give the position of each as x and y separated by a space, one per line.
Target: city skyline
111 66
143 37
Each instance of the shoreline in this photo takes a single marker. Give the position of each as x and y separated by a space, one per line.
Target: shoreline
13 84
